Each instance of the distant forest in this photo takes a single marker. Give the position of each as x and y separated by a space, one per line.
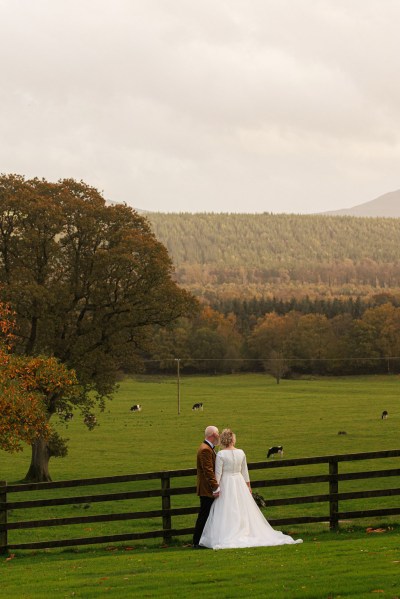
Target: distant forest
224 256
287 294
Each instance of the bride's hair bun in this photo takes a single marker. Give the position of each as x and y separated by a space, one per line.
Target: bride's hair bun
227 438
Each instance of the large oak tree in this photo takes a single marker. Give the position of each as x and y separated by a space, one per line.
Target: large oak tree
87 281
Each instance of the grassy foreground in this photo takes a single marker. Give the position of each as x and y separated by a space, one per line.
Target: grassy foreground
324 566
305 416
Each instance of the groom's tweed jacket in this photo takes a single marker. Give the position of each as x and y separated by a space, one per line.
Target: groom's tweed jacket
206 481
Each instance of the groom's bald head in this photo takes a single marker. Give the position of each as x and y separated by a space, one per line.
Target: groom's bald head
212 434
211 430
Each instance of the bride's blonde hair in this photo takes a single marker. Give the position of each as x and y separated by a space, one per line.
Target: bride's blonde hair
227 438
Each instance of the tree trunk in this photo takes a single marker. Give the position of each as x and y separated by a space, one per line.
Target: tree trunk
39 469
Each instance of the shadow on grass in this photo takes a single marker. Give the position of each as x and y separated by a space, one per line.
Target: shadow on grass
348 533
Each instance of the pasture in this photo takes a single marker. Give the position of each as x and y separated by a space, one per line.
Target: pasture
305 416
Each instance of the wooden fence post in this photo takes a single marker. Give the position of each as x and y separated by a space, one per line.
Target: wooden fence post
333 489
166 505
3 517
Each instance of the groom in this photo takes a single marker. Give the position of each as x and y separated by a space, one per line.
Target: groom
207 485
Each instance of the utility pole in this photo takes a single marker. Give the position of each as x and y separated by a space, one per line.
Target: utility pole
178 362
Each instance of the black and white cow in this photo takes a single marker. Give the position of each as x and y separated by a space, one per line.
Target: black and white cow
136 408
198 406
276 449
384 414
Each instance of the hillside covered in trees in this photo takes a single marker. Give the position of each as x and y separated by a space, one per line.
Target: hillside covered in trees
285 255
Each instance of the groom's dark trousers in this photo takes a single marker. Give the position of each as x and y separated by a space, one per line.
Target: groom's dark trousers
206 484
205 507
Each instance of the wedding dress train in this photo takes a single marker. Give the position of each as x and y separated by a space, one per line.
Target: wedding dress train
235 519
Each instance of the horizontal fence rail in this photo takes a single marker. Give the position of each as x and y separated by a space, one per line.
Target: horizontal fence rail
165 492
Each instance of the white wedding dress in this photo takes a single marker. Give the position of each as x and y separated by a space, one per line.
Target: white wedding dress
235 519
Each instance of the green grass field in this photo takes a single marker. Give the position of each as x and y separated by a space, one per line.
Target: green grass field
324 566
304 416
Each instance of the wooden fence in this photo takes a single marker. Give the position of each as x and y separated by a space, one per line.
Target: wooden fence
164 490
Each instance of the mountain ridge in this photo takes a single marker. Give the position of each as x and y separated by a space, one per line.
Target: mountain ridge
385 206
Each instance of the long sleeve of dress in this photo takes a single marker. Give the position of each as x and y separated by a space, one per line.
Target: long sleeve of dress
244 469
218 467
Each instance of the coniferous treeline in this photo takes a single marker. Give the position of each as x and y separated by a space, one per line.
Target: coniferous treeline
241 255
248 311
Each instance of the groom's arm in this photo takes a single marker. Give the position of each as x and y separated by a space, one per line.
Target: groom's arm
207 466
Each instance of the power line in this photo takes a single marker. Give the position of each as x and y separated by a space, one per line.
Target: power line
291 359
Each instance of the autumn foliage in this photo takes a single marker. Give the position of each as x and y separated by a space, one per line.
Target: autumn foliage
25 382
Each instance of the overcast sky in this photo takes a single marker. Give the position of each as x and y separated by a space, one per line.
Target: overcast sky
205 105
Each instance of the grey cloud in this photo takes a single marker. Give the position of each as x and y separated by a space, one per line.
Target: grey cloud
224 106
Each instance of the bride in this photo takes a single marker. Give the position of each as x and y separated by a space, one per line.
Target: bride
235 519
